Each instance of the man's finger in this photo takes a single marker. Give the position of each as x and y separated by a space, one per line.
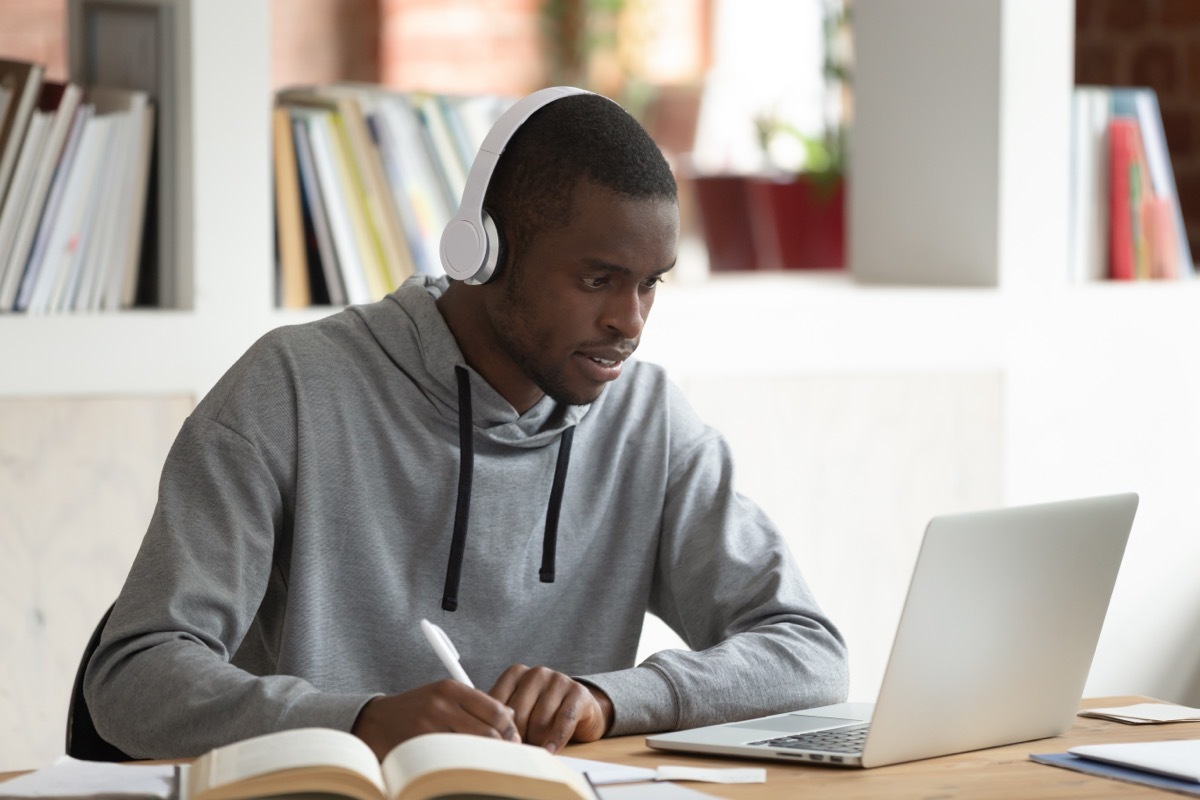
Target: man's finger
496 717
507 683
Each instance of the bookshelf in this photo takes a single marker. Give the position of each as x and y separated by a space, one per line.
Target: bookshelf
896 403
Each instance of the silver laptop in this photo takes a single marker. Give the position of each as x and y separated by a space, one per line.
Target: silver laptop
994 644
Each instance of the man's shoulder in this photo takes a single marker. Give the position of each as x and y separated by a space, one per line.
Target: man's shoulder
646 391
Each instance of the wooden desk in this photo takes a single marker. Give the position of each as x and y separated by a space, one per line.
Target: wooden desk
1004 773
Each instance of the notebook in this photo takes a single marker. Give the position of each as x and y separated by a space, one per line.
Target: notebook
1175 759
994 643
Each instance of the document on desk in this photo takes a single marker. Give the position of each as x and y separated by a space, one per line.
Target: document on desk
602 773
71 778
1175 759
1145 713
658 790
1163 765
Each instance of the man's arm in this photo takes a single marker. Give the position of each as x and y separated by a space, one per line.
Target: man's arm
726 581
161 683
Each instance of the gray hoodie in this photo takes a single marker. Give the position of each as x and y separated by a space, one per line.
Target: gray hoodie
304 526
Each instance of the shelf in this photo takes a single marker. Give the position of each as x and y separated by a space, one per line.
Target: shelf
130 353
729 324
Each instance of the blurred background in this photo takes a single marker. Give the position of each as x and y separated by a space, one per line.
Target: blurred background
855 412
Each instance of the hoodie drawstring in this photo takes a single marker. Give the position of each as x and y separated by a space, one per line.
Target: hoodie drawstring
550 539
462 508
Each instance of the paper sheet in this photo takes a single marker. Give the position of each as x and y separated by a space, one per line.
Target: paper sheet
1145 713
602 773
659 790
71 778
707 775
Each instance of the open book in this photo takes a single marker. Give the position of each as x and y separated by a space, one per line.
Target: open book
331 762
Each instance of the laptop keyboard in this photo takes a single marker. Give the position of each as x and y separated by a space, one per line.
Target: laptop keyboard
838 740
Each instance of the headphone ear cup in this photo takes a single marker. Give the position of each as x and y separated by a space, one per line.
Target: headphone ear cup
496 248
493 251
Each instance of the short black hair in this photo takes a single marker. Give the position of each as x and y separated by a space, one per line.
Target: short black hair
583 137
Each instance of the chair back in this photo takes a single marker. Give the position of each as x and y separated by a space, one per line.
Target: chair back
83 742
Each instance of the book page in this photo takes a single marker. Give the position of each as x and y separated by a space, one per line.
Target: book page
439 764
301 760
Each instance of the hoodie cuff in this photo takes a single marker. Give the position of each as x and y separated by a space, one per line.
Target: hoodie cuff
325 710
643 699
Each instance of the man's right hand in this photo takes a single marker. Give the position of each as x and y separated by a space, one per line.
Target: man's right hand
445 706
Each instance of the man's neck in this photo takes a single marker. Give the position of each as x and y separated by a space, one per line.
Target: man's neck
461 306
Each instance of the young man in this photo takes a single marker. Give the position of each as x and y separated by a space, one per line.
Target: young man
486 456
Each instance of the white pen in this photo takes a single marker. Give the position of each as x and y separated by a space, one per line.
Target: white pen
444 648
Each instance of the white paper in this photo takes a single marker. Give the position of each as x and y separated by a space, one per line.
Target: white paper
1146 713
650 791
706 775
1176 759
70 778
602 773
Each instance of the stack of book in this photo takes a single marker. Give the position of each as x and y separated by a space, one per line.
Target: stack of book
365 180
1126 219
74 172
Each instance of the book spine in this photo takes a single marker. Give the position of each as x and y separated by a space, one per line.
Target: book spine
290 251
1122 131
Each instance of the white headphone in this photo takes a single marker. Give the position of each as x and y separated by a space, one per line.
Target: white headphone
470 246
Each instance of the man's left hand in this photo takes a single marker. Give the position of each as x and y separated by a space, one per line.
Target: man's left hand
550 708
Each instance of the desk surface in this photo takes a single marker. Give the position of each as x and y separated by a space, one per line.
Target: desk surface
1000 772
1003 773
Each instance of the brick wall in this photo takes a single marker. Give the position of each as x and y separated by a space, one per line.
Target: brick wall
318 41
35 30
1153 43
462 45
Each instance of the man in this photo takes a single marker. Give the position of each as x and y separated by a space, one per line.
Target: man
486 456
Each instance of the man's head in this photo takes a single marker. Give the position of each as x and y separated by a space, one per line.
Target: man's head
587 211
583 137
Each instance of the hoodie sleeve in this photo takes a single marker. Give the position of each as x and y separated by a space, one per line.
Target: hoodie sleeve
727 583
161 683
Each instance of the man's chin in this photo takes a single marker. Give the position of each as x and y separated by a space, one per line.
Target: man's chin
574 396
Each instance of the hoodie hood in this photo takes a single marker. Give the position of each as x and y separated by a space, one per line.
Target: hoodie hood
460 394
408 321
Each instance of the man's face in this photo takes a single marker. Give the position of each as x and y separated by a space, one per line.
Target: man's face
572 308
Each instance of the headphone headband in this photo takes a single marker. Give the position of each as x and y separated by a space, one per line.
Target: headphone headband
470 244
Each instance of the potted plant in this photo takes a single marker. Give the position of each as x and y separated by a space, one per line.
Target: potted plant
797 210
790 214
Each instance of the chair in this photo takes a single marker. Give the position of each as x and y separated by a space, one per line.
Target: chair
83 741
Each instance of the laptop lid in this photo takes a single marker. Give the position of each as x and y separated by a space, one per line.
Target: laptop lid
999 628
994 643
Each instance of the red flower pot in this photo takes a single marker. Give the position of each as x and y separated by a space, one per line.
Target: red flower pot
725 220
798 222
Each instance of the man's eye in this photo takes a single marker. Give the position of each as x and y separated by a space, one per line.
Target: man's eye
595 283
651 282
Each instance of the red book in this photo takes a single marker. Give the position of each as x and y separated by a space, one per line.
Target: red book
1123 148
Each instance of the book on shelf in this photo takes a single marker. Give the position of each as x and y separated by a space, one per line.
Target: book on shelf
1090 196
44 221
1126 219
318 128
324 270
372 209
20 84
375 170
59 101
290 246
78 249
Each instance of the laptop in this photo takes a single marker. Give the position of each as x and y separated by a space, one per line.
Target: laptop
993 646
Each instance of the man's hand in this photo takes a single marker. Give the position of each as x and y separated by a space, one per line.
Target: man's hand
550 709
445 706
